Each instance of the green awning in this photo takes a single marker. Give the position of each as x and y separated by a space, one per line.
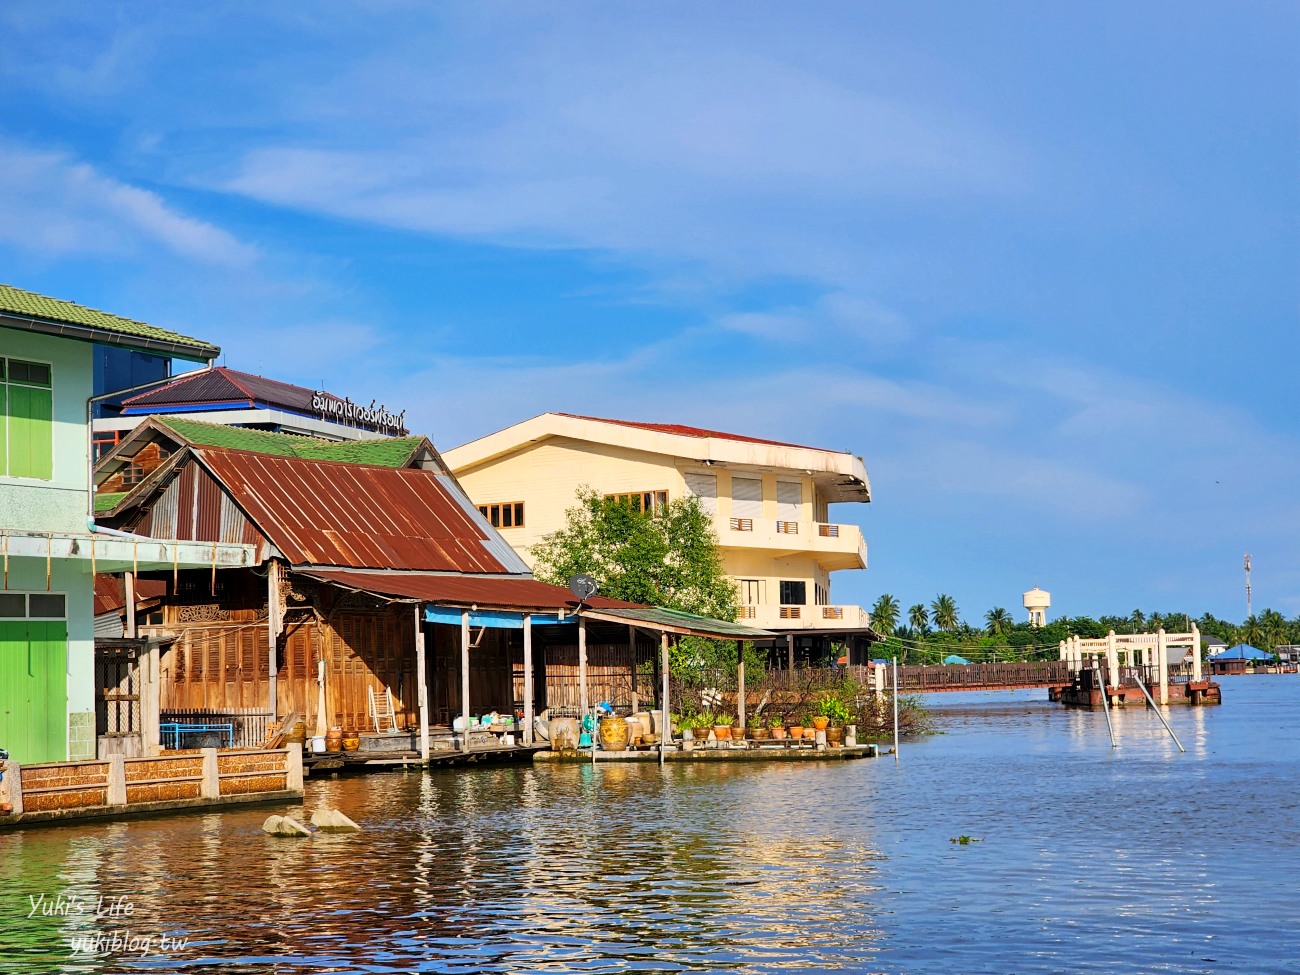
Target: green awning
684 624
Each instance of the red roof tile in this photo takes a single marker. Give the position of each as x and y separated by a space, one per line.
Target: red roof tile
676 429
358 515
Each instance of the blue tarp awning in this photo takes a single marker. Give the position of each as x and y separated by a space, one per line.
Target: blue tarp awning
1243 651
952 658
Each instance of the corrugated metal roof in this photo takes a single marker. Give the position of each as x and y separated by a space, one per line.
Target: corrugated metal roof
486 592
222 385
110 591
359 515
676 621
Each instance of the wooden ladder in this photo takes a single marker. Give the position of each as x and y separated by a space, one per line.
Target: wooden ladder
382 711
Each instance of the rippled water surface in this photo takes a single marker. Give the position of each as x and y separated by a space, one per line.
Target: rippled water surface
1089 860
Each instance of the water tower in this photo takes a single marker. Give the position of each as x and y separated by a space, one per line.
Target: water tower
1037 602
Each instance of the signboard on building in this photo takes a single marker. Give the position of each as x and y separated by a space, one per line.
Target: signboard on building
375 417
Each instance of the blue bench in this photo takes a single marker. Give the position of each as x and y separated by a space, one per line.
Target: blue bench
172 732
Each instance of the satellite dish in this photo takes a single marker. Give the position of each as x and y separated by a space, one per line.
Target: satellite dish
583 586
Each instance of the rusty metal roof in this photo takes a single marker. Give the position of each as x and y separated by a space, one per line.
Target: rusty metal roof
486 592
361 516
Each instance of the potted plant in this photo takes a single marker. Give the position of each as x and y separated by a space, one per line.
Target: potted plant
759 730
809 728
777 727
795 730
722 727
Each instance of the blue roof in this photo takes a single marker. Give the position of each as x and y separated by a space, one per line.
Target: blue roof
952 658
1243 651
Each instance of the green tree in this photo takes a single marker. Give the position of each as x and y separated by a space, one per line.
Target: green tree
944 612
665 559
1139 621
884 614
1252 632
998 621
918 617
1273 627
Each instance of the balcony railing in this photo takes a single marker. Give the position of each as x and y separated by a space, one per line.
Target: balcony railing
742 524
787 528
832 612
791 612
828 531
747 613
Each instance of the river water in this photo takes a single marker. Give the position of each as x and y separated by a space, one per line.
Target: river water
1085 859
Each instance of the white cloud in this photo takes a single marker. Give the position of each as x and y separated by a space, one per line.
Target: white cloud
52 203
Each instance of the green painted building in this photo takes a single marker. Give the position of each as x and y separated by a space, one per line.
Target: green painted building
48 540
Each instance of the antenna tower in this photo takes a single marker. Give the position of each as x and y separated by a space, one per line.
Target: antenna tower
1249 611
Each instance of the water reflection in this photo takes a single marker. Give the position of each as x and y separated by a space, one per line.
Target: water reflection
1091 859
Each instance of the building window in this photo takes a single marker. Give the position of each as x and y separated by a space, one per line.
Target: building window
509 514
27 409
753 592
132 474
655 502
821 594
33 605
793 593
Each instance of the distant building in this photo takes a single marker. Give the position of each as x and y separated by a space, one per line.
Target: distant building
1288 653
769 502
1037 603
1213 645
234 398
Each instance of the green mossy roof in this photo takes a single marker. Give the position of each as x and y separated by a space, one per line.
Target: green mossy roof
108 501
16 301
383 452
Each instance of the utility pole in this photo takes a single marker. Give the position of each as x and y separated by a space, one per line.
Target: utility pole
1249 611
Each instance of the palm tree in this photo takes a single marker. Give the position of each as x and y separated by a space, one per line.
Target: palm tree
1252 632
1139 621
1273 625
919 618
884 614
944 612
998 620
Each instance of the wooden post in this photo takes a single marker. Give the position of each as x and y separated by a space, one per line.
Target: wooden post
273 633
666 726
789 642
1196 653
464 678
654 660
422 682
636 669
530 692
1162 665
153 741
740 682
583 703
129 587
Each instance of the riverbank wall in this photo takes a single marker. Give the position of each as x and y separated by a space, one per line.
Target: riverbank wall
118 787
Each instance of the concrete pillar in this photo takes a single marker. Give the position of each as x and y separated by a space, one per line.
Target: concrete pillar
464 678
584 704
530 692
1196 653
789 642
293 768
422 682
128 585
116 780
210 787
1162 665
13 785
1112 661
666 726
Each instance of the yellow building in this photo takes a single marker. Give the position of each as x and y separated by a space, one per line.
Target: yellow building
769 502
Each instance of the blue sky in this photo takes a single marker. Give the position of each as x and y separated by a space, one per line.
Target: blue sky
1036 263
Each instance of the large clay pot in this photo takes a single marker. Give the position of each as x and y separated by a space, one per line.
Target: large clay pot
761 734
351 741
796 732
835 736
613 734
564 734
722 732
810 734
778 734
334 740
820 723
297 733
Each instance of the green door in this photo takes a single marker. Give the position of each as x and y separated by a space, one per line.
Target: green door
34 690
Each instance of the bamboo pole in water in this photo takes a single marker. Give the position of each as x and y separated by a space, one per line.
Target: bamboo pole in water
896 759
1105 705
1159 715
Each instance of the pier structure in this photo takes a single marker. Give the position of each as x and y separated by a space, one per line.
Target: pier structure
1114 669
